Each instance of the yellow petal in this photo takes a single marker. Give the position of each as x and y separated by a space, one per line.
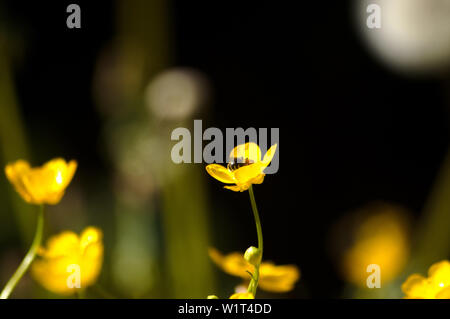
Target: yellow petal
236 188
15 172
245 174
258 179
91 263
278 278
439 273
48 183
242 295
269 155
416 286
220 173
62 244
444 293
272 277
241 187
52 274
90 235
59 173
53 198
246 152
233 264
35 183
66 249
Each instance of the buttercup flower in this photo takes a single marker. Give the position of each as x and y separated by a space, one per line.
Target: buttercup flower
376 234
436 286
53 268
246 167
41 185
272 278
242 295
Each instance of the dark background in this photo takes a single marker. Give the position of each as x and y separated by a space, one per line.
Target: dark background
351 130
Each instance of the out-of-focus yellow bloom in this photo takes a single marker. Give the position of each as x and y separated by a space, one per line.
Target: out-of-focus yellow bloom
436 286
272 278
41 185
246 167
54 265
242 295
381 238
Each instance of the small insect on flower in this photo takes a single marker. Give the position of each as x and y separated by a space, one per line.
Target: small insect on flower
245 167
41 185
54 267
436 286
272 278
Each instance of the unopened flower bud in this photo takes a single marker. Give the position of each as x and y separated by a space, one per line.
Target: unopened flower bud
213 297
253 255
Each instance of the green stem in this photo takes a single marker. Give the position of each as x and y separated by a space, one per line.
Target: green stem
254 282
26 262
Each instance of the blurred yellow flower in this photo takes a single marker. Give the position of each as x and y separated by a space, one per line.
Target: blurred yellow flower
436 286
379 237
41 185
242 295
272 278
65 250
246 167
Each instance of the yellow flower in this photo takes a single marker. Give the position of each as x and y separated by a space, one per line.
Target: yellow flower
245 168
378 235
242 295
272 278
41 185
64 251
436 286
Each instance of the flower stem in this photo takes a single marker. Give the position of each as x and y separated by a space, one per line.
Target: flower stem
255 279
26 262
